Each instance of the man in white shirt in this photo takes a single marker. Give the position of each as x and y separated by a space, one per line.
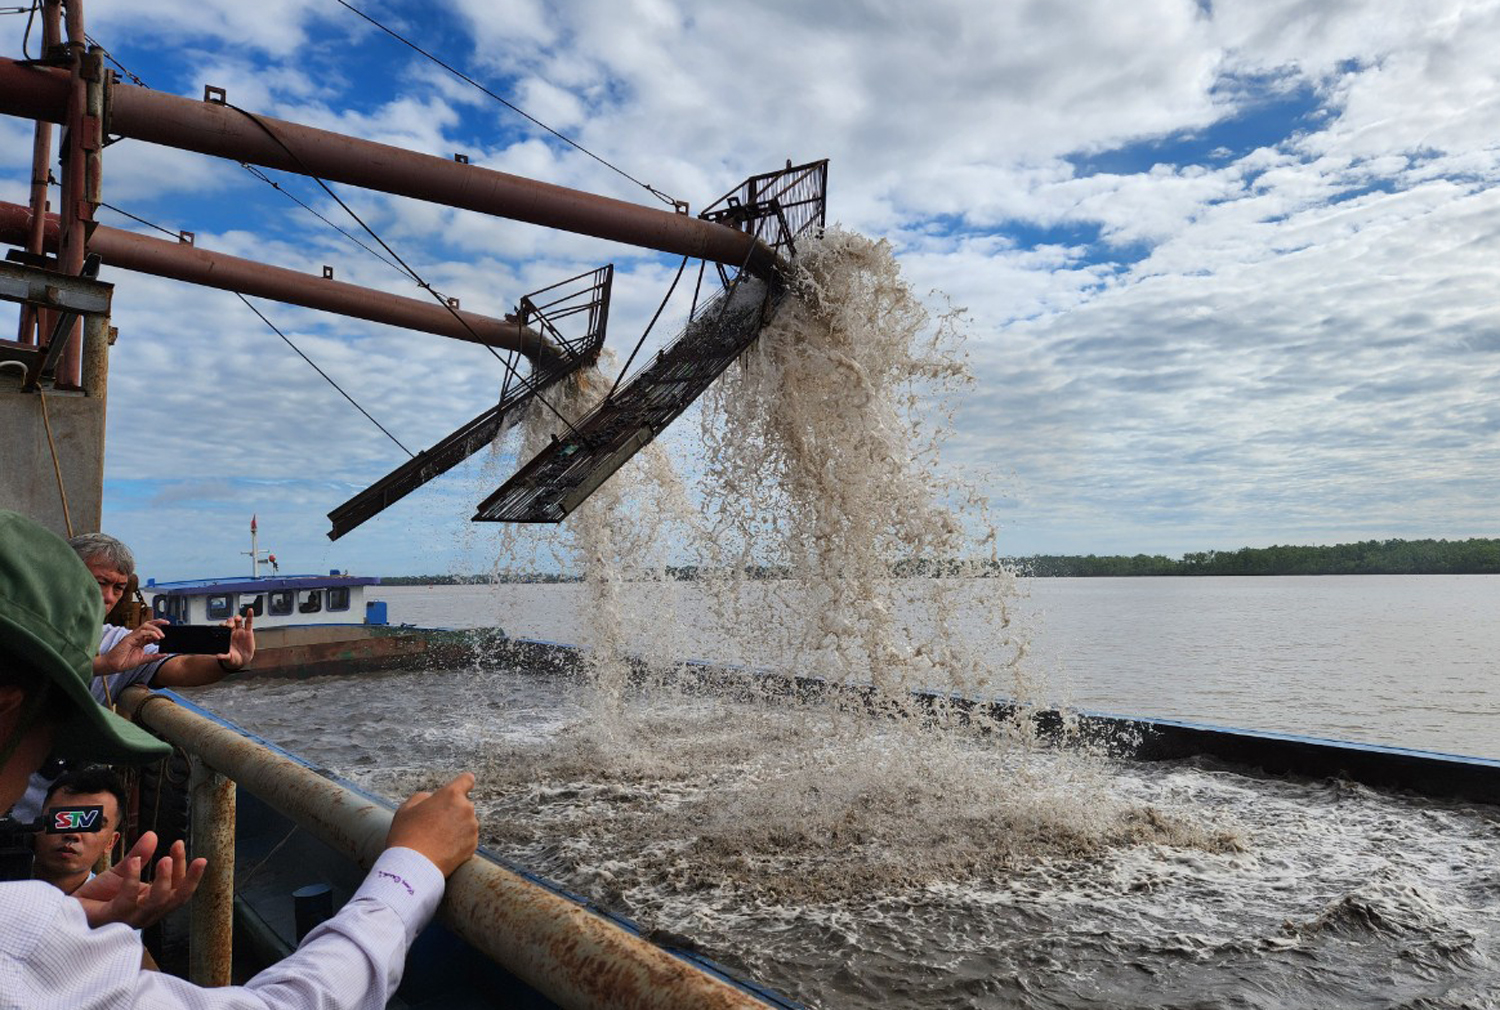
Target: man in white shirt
79 952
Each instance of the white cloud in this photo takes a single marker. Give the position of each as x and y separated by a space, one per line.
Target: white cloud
1292 342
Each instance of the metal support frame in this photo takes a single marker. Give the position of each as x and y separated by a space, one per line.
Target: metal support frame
775 207
82 144
572 956
41 171
563 475
546 310
66 298
185 261
211 914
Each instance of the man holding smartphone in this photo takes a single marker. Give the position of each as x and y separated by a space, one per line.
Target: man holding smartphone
130 656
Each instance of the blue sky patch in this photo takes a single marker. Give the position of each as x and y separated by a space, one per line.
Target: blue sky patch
1268 114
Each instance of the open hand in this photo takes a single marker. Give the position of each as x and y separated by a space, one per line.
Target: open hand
241 642
117 894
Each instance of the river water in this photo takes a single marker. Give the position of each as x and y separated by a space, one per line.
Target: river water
849 863
1412 661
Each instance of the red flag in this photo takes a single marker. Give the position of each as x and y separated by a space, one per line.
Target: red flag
252 523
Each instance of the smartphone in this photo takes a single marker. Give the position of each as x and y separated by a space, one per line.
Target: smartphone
212 639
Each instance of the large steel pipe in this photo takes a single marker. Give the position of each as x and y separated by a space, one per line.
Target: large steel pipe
572 956
184 262
226 132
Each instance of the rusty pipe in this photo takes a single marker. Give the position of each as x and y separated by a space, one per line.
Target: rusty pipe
41 159
211 914
573 957
223 131
184 262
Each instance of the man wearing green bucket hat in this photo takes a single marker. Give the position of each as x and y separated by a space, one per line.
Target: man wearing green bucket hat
79 951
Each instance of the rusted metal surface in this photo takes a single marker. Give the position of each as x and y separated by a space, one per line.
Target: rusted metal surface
573 957
41 159
226 132
184 262
81 143
31 318
211 913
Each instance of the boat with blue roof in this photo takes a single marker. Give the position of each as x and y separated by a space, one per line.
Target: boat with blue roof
308 624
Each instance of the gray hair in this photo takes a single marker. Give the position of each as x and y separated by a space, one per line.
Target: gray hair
103 547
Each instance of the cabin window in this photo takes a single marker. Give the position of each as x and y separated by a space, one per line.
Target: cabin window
220 607
311 602
338 598
281 603
172 607
256 606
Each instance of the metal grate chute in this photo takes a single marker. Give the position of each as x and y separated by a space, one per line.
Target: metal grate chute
778 208
546 312
565 473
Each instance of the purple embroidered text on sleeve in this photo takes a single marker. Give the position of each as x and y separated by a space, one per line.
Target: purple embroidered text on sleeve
397 879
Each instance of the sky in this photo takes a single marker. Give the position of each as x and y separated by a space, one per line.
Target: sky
1231 269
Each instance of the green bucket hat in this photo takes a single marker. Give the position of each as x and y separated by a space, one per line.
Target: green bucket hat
51 618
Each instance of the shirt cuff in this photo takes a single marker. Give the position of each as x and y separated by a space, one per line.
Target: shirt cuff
408 883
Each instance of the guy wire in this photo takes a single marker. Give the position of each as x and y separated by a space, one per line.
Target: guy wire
665 198
395 256
274 329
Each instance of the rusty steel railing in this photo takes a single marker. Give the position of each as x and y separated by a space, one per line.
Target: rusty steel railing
572 956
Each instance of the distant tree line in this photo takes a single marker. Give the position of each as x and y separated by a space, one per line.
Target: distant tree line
1368 557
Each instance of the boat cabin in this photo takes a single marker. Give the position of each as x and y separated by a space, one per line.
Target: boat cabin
277 601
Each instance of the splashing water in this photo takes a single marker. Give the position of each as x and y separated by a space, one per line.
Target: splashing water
824 464
617 541
822 865
824 523
825 532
